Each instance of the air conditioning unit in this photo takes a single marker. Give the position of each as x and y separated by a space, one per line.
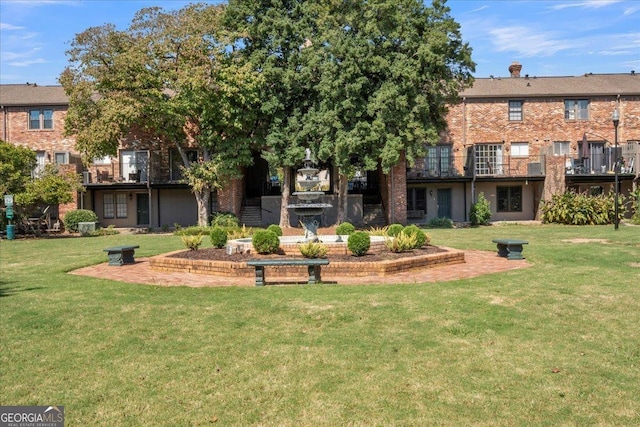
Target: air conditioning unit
86 177
534 169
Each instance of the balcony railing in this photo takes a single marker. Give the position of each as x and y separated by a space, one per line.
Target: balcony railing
510 166
117 173
600 163
463 166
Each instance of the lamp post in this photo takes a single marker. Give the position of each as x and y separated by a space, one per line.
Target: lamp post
615 117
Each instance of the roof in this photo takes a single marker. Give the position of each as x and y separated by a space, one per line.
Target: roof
588 85
32 94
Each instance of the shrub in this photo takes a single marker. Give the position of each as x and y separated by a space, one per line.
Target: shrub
72 218
275 228
582 209
240 233
192 242
359 243
225 219
218 237
313 250
109 231
394 229
420 236
266 242
634 200
480 212
440 223
402 242
346 228
378 231
193 230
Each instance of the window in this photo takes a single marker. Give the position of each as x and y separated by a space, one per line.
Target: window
576 109
114 205
106 160
121 205
108 210
61 157
489 159
41 119
438 160
515 111
417 199
561 148
519 149
509 199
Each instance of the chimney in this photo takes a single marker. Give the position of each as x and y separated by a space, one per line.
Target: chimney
515 69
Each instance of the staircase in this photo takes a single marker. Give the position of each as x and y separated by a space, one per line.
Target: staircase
373 216
251 216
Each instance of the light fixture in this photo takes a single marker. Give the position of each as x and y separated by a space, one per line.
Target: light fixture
130 196
615 117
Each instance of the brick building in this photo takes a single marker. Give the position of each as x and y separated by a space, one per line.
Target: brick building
517 139
521 139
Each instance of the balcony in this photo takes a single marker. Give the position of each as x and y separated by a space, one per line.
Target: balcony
510 166
116 173
502 166
603 163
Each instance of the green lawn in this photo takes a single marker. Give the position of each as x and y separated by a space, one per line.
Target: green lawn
554 344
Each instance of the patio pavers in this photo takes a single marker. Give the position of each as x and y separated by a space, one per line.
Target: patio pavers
477 263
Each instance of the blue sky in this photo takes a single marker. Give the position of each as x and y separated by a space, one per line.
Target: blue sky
548 37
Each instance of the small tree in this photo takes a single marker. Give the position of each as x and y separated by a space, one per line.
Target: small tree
480 213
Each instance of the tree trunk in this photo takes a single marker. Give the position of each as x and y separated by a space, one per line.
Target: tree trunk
202 201
284 212
343 184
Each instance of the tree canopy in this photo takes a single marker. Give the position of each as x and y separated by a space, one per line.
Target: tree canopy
176 75
360 83
365 81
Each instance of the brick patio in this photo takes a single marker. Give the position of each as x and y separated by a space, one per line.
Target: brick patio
477 263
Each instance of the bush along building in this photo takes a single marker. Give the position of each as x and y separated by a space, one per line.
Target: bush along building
517 139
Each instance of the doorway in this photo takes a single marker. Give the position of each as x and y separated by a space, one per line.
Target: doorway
142 208
444 203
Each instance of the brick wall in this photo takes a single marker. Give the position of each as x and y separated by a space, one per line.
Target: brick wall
487 121
14 128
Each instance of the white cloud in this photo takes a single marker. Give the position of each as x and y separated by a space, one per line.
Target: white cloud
527 41
28 62
9 27
631 10
589 4
478 9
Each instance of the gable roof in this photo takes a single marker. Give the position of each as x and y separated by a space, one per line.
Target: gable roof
32 94
587 85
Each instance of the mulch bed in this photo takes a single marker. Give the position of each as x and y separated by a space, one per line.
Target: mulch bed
213 254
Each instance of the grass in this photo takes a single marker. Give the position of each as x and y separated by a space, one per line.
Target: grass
554 344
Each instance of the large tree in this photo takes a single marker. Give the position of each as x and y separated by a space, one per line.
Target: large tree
388 69
177 75
276 35
358 82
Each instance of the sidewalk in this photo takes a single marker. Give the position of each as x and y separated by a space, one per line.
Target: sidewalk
477 263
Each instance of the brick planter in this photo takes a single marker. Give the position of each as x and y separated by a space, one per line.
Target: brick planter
334 270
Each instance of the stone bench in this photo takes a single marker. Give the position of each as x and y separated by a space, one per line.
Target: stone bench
313 265
119 255
510 248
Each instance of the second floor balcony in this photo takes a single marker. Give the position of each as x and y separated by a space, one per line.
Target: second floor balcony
480 165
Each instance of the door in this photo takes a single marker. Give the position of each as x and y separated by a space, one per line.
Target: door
142 207
444 203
